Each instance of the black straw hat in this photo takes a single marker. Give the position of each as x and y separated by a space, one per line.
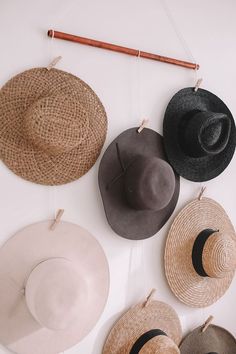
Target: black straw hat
199 134
139 188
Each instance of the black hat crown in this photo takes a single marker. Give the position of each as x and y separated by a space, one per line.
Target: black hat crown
205 133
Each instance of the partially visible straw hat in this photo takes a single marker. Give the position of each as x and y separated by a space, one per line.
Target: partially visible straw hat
149 327
212 340
52 126
200 253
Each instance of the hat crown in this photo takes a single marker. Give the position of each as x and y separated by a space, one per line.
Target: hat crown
56 124
54 293
159 345
218 256
149 183
205 133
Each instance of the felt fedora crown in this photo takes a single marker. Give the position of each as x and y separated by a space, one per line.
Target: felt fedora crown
139 188
52 126
149 327
54 286
213 340
200 253
199 134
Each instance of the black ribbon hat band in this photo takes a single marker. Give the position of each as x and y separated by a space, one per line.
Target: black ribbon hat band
144 338
198 251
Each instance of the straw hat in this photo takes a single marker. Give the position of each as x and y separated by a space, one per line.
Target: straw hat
139 188
149 327
214 340
53 285
200 253
199 134
52 126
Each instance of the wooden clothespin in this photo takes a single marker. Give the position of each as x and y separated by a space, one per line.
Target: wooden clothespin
207 323
198 84
57 219
143 125
201 193
53 63
149 298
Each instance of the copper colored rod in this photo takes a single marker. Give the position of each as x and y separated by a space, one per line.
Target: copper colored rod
120 49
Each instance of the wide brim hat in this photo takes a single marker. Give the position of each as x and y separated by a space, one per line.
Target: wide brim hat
137 322
201 234
125 220
54 285
52 126
214 340
196 168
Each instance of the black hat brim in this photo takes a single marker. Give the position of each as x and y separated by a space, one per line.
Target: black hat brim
197 169
124 220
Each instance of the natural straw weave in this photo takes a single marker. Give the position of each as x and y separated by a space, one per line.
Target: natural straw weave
218 254
140 319
52 126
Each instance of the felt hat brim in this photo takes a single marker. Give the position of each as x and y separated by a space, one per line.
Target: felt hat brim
19 331
189 287
214 339
138 320
25 159
124 220
195 169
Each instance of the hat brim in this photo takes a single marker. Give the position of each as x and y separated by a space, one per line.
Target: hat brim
21 156
138 320
195 169
186 284
214 339
19 331
124 220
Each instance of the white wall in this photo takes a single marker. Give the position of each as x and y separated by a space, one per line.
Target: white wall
209 28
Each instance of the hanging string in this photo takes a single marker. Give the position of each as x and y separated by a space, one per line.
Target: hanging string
179 35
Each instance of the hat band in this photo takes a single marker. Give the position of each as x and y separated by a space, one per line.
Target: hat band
198 251
144 338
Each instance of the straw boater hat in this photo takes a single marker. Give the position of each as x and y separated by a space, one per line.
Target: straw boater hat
139 188
200 253
53 286
212 340
199 134
149 327
52 126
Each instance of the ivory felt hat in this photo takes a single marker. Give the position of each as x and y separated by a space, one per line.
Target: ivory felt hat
139 188
52 126
150 327
200 253
53 288
215 340
199 134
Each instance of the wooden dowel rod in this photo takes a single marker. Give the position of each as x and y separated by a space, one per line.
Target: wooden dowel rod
120 49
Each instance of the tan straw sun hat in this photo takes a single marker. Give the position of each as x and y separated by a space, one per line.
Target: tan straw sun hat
200 253
53 288
151 327
52 126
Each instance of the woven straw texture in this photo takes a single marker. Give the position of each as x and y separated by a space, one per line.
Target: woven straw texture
186 284
214 340
52 126
140 319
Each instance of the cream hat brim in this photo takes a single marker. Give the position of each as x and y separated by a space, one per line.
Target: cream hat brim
19 331
186 284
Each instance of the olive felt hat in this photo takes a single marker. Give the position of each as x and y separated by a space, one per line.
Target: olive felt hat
139 188
199 134
214 340
52 126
